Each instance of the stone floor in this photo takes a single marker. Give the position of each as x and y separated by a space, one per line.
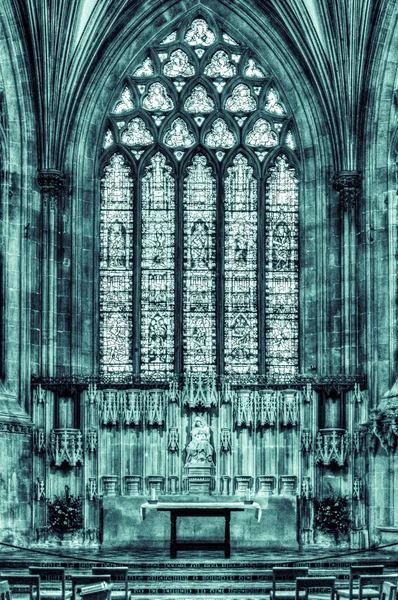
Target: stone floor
153 575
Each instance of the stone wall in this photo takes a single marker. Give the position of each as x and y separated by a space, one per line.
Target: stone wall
15 484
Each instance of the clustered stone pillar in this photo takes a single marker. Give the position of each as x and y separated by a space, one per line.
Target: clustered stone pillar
348 186
51 182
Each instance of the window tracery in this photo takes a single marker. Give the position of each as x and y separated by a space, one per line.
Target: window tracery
215 216
178 135
179 65
157 98
220 66
125 103
199 101
219 135
137 134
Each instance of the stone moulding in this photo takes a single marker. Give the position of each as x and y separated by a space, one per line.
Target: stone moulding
109 483
132 406
66 447
332 446
40 440
132 485
243 484
155 484
383 429
288 485
266 485
225 384
13 427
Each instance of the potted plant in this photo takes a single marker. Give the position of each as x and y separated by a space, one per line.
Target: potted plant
65 513
332 515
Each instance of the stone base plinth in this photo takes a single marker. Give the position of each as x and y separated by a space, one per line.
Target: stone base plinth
199 479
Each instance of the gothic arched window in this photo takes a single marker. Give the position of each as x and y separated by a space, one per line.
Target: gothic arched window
199 214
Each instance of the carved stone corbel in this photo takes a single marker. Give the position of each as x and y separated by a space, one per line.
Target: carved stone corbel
348 184
51 182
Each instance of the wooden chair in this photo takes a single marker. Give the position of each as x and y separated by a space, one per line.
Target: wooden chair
283 581
370 586
317 584
19 582
118 574
388 591
355 572
79 581
5 593
97 591
50 574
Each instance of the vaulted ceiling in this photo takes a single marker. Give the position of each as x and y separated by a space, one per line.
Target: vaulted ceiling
340 45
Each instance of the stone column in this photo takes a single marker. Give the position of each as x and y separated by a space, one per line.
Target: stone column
348 185
51 182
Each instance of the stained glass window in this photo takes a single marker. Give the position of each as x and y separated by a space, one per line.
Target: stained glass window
201 179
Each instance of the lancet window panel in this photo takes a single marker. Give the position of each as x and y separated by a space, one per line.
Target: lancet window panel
116 261
157 267
214 282
199 306
281 268
241 327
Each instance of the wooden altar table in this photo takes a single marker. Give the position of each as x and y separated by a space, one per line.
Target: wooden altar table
200 509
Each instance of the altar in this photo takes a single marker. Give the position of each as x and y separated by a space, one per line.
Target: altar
200 509
131 522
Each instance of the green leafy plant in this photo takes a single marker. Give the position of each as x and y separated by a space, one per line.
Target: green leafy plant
65 512
332 514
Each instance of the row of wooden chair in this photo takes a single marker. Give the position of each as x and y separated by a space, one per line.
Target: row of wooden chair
370 579
39 578
98 591
287 583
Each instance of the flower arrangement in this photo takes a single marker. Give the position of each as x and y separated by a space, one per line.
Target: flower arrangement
65 512
332 514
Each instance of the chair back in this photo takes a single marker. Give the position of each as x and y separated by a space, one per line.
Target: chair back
30 581
375 583
79 581
116 573
5 593
357 570
388 591
320 584
97 591
285 574
50 574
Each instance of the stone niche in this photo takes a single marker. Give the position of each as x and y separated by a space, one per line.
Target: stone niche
122 525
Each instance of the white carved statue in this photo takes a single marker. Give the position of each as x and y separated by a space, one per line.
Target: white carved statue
199 451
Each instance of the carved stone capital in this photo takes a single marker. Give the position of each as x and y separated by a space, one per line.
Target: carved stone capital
347 184
51 182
